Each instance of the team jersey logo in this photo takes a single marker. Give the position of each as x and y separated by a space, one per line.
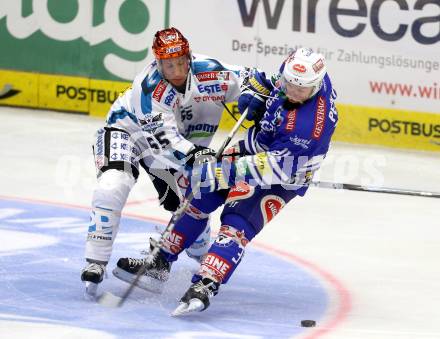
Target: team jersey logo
210 76
159 90
174 242
291 120
200 131
319 118
151 122
213 98
219 266
302 142
206 76
271 205
242 190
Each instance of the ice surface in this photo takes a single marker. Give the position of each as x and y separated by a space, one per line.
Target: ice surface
363 265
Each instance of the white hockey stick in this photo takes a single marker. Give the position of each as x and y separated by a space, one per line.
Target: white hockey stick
109 299
375 189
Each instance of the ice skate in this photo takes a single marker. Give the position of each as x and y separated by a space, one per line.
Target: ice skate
196 299
92 275
156 272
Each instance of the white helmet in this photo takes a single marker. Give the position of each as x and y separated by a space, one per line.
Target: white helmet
304 68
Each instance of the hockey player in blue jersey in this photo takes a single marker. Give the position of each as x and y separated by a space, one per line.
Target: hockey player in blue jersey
271 166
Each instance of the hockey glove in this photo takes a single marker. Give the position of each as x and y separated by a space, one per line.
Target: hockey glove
253 96
166 187
199 155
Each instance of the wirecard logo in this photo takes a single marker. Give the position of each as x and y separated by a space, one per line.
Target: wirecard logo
363 13
7 91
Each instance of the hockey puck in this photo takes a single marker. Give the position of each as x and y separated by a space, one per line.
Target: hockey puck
308 323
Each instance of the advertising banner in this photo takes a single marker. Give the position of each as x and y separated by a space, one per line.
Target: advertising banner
382 55
59 92
100 39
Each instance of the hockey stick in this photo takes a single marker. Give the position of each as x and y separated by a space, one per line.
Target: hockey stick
109 299
375 189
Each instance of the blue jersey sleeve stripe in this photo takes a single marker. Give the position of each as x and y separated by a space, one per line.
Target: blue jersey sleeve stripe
284 177
121 114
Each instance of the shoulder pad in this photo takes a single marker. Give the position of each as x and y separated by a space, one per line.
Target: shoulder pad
151 80
206 65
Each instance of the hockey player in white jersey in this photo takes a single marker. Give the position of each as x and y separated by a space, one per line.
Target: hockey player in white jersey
164 121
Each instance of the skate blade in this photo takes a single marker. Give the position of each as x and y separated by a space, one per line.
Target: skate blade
195 305
91 290
109 300
146 283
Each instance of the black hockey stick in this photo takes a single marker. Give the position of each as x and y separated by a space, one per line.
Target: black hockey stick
109 299
375 189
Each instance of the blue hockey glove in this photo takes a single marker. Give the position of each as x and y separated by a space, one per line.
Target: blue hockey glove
254 103
253 96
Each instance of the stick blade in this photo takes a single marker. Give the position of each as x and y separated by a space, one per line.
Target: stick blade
108 299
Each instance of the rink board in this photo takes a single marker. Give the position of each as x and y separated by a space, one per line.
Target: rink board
357 124
59 92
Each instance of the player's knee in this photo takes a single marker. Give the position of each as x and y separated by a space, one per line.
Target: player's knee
201 245
208 203
240 223
112 190
195 213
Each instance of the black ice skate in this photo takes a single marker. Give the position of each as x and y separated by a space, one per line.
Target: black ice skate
156 272
92 275
196 299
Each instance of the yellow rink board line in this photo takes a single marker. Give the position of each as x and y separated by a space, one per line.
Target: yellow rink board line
379 126
389 127
357 124
59 92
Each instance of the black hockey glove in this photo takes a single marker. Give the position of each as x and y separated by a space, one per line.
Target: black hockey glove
199 155
166 186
